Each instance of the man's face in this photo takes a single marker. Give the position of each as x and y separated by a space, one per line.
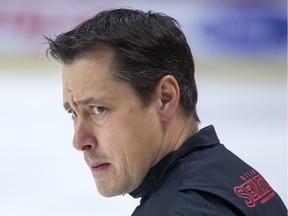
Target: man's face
121 140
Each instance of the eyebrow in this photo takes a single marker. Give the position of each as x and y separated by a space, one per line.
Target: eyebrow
86 101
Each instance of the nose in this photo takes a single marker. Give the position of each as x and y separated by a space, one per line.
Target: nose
83 139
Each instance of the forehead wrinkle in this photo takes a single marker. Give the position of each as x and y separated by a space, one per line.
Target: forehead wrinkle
83 102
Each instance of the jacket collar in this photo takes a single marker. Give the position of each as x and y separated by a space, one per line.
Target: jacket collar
206 137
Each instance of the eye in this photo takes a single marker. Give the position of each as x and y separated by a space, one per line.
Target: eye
98 110
72 113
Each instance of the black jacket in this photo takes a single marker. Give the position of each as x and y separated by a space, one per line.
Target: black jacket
203 178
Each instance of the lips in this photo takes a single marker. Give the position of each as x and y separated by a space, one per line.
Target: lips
98 167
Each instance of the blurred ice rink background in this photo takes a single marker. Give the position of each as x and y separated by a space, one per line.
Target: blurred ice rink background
240 51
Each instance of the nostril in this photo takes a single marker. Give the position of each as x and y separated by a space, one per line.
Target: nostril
86 147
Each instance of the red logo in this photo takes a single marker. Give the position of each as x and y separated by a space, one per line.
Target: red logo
254 188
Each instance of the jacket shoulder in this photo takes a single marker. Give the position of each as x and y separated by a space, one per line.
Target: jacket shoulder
223 180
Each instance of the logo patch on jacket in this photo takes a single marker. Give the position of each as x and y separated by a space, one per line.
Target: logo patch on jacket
254 189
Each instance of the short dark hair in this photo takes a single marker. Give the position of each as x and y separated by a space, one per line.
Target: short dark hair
147 46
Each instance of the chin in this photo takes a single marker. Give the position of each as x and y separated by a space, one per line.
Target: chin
114 188
109 192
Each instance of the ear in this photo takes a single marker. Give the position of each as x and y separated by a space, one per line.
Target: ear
168 93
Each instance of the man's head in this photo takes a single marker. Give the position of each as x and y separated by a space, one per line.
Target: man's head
147 46
128 80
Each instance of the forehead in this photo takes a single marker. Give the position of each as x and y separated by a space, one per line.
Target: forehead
91 70
91 77
96 66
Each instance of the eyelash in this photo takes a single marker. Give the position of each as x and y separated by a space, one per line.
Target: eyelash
102 109
74 114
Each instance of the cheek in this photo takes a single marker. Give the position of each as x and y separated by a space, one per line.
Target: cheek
131 140
130 144
126 144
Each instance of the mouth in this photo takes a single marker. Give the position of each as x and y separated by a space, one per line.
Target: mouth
99 167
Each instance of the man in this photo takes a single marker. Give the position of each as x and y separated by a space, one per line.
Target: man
128 82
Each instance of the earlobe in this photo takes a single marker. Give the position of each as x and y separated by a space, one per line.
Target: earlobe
169 94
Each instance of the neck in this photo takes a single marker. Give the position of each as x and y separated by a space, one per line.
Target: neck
176 132
180 132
